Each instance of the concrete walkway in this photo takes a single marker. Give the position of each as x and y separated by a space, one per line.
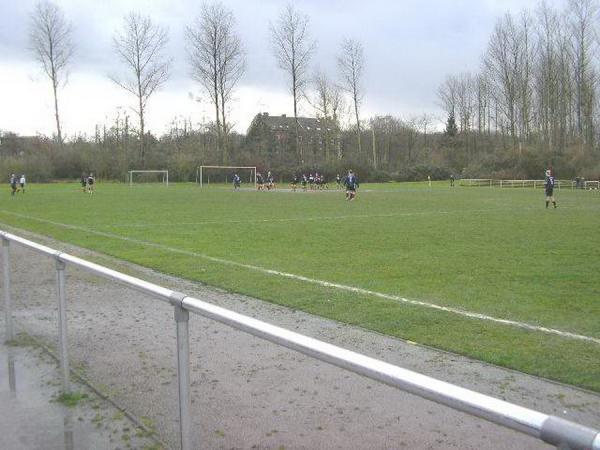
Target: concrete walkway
32 418
248 393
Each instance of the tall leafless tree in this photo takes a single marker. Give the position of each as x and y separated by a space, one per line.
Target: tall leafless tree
293 49
140 45
217 61
581 20
503 63
546 76
351 62
50 40
326 104
231 66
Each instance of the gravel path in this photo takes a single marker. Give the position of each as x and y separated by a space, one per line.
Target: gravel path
248 393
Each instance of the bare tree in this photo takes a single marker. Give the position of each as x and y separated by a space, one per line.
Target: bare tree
448 95
546 77
581 21
231 67
351 65
50 40
503 63
293 49
326 105
140 46
217 60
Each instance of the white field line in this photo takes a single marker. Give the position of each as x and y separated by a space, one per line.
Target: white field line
328 284
321 218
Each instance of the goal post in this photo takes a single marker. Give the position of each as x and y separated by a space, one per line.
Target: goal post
203 174
163 176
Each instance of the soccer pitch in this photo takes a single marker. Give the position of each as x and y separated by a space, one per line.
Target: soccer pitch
484 272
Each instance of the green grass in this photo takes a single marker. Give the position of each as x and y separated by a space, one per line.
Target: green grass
485 250
71 399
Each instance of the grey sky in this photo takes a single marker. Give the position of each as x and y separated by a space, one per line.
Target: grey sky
410 46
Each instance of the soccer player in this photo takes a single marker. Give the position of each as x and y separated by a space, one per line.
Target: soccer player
13 184
83 182
451 180
549 188
338 181
304 181
90 183
270 182
260 182
236 182
22 183
351 183
294 182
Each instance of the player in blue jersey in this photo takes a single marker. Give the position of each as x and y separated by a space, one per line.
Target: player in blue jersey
549 188
351 183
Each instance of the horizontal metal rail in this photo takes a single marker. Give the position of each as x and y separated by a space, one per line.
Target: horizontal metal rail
551 429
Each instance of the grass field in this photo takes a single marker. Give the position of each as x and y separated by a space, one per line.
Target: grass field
495 252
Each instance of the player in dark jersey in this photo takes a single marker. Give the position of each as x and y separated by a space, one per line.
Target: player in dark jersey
236 182
294 183
351 183
260 182
90 183
549 188
83 182
270 182
304 181
13 184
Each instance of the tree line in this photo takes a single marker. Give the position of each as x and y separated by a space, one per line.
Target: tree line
532 104
536 93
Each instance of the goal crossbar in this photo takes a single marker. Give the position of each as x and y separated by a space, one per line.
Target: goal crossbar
200 170
164 172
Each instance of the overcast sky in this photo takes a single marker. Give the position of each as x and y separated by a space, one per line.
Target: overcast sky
410 46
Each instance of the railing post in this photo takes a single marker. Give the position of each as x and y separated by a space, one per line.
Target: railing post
62 325
7 301
182 318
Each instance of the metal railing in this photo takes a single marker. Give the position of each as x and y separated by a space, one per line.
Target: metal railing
535 184
550 429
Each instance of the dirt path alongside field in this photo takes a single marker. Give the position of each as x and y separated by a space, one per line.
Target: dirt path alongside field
248 393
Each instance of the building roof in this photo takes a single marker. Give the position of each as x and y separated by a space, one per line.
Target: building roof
284 122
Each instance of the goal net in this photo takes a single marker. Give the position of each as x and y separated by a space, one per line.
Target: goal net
148 176
222 176
592 185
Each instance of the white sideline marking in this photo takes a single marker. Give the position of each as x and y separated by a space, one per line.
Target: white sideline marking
321 218
323 283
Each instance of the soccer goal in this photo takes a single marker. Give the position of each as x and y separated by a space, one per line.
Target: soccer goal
148 176
222 176
595 185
